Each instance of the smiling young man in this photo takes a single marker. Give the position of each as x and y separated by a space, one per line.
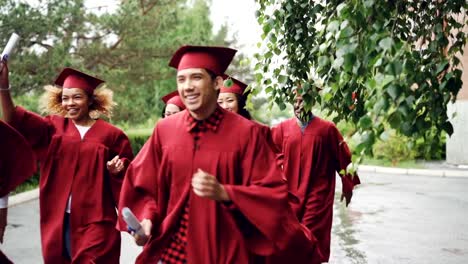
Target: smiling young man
205 185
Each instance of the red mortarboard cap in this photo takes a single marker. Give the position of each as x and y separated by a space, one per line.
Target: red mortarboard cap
215 59
71 78
17 161
237 87
173 98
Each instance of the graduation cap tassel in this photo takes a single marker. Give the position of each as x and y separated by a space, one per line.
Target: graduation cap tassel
228 82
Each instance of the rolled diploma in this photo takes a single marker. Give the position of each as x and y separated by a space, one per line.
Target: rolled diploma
132 222
10 46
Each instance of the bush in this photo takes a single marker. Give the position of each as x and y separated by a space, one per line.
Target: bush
394 147
138 138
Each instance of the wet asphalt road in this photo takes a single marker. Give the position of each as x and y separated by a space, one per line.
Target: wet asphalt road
403 219
391 219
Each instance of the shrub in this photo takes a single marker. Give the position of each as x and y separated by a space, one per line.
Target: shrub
138 138
394 147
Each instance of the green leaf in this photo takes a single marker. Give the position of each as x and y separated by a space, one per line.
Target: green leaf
340 9
323 61
394 120
365 122
447 127
386 43
282 79
380 105
333 26
338 62
441 67
346 32
394 91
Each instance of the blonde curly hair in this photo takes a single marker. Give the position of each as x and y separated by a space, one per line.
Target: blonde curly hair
102 102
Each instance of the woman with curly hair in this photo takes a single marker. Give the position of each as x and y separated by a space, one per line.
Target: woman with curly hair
83 161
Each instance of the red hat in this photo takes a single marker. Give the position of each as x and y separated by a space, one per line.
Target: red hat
71 78
215 59
173 98
17 160
237 87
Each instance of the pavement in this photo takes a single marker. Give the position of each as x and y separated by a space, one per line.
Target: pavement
437 169
359 231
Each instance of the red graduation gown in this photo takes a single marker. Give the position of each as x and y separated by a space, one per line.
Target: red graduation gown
311 160
17 161
71 165
158 183
4 259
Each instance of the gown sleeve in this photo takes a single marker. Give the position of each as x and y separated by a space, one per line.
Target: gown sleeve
140 185
121 147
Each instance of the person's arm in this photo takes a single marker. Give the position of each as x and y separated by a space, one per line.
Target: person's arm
8 107
118 165
138 189
342 157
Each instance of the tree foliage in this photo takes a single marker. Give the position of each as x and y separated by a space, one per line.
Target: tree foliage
377 64
129 48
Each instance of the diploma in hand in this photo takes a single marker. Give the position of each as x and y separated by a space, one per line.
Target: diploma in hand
132 222
10 46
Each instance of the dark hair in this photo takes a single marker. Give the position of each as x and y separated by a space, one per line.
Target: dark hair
163 111
241 104
212 74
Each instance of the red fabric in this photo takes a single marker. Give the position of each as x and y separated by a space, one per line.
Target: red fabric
237 87
71 165
173 98
311 161
176 252
215 59
4 259
158 183
17 160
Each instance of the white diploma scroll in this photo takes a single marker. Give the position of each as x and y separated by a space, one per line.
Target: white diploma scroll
132 222
7 51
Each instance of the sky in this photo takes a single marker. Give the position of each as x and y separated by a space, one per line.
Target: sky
239 15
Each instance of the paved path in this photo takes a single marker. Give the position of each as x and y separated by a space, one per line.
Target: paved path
392 219
403 219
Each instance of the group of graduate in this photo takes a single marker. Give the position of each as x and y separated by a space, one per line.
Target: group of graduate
209 186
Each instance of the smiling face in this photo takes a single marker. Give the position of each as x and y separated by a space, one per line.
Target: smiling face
198 91
229 102
171 109
76 103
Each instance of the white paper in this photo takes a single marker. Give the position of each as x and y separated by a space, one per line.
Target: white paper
7 51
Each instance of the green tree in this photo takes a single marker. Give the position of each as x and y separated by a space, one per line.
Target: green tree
377 63
129 48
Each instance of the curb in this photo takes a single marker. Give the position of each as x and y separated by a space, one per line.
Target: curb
34 194
417 172
23 197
